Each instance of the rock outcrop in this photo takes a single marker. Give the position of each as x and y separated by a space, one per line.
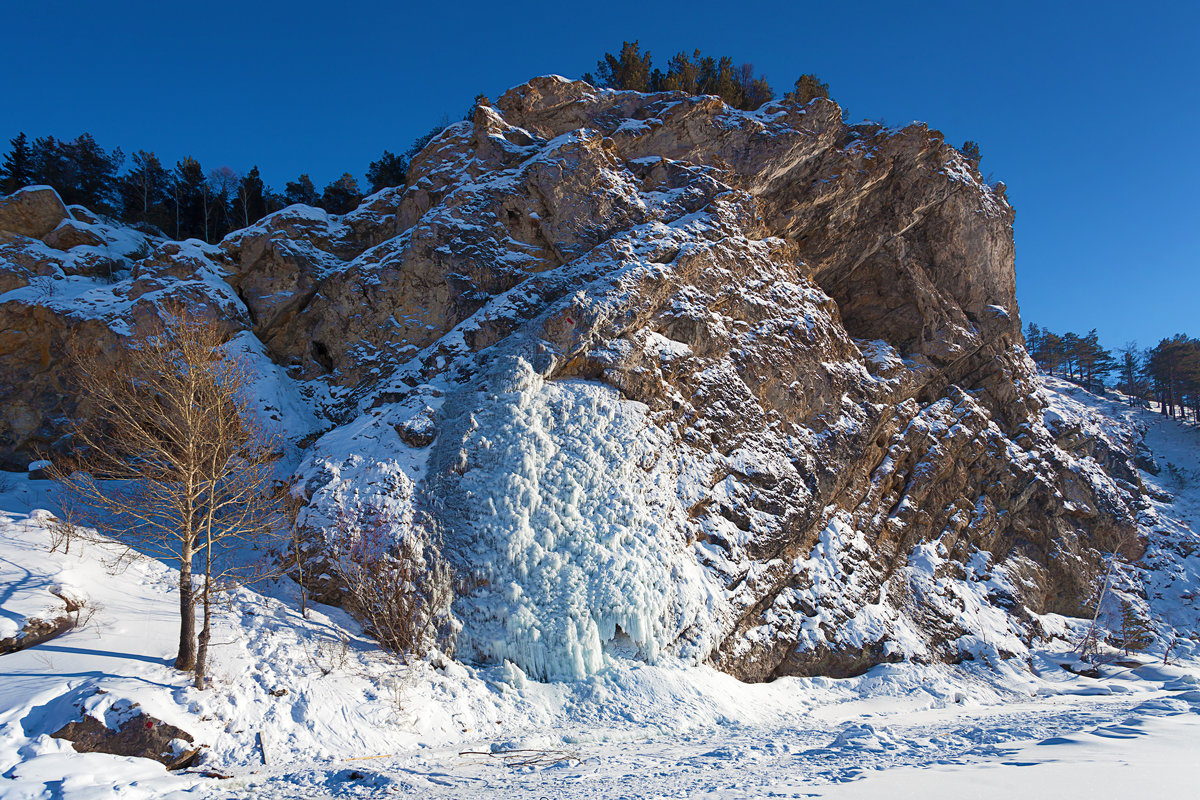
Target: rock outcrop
34 211
675 380
129 731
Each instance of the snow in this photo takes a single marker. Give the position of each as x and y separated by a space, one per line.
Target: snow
339 719
566 508
1124 759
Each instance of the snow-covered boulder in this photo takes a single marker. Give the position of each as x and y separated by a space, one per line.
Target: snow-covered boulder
33 211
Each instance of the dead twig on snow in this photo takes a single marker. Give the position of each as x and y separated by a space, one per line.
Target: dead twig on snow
527 757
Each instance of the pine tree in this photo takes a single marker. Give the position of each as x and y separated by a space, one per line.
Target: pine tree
481 99
342 196
725 85
94 170
145 190
17 170
808 87
629 69
301 191
49 163
1174 369
1131 382
81 171
1045 348
706 82
1136 632
189 195
695 74
970 151
683 74
1070 353
250 204
421 141
389 170
1053 351
1103 364
1033 341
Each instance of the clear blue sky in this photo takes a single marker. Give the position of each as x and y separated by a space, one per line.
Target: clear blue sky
1089 111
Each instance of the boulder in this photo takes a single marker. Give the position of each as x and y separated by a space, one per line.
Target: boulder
70 233
138 734
33 211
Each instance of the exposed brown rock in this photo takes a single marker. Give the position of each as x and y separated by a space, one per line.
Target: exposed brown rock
33 211
139 735
821 318
36 631
70 234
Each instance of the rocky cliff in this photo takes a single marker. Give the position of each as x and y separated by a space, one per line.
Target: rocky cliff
676 380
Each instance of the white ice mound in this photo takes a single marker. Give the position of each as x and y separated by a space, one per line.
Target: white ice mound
564 511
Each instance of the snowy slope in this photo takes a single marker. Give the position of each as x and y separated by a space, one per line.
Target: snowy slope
326 703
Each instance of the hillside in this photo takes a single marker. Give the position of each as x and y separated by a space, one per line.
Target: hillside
698 399
322 697
638 355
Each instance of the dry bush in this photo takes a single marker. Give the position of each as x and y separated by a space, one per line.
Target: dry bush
80 610
327 655
397 584
65 529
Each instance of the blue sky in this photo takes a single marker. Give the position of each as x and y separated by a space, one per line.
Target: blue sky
1089 111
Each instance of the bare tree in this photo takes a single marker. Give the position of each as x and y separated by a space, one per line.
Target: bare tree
170 460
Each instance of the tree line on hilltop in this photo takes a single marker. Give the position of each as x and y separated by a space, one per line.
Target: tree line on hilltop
736 84
188 200
1168 373
184 201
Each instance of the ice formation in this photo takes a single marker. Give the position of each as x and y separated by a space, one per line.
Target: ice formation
562 507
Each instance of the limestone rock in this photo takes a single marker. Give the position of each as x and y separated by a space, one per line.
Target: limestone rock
134 733
33 211
815 324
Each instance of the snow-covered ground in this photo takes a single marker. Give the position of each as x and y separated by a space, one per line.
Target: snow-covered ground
338 719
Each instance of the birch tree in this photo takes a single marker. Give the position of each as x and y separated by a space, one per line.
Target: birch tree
171 462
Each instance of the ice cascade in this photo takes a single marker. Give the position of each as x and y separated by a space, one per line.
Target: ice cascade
563 512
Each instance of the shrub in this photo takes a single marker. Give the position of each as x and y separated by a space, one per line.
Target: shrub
396 582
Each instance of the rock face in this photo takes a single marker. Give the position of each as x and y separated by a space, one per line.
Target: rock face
675 380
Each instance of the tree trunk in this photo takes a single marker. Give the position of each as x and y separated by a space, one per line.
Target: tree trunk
205 635
299 571
187 613
206 601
